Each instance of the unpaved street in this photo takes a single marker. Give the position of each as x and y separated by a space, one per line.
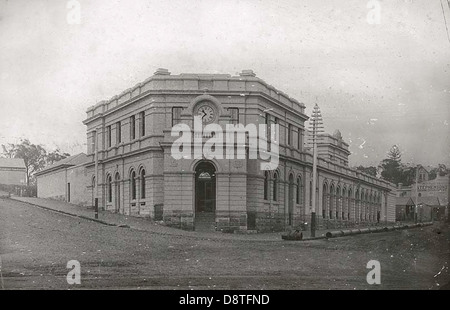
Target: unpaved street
37 244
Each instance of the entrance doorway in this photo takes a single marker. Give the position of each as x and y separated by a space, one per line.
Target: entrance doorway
205 196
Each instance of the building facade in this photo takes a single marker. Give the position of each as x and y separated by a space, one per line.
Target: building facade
66 180
13 172
131 169
433 193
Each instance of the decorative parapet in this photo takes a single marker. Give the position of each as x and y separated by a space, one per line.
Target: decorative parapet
334 140
350 172
162 80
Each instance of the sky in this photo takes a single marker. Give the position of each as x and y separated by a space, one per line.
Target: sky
379 84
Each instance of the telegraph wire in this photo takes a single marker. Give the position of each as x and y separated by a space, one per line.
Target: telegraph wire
445 20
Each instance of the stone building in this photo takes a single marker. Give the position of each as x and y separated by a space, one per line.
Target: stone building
13 171
131 170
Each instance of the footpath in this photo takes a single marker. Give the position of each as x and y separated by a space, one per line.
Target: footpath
143 224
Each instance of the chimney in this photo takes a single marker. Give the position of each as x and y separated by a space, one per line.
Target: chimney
161 71
400 185
247 73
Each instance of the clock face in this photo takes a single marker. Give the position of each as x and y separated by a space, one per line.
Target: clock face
206 113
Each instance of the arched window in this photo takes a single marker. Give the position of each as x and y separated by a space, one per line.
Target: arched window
324 200
133 184
266 185
299 197
344 203
331 201
142 184
109 184
275 187
350 203
367 206
338 201
357 205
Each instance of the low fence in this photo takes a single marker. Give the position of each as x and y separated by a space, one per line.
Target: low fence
19 190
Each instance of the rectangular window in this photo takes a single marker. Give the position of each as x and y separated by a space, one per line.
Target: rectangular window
268 130
108 136
300 139
234 115
142 124
176 115
133 127
68 192
289 134
274 122
118 133
94 141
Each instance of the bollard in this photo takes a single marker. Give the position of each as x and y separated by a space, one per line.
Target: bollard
96 208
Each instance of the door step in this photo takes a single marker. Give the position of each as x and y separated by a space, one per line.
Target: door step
205 221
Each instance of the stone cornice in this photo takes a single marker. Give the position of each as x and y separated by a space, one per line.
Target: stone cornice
192 83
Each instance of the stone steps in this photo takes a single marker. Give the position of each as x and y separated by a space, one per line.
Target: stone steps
205 221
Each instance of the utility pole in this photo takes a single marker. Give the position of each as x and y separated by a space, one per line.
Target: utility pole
417 195
316 127
448 196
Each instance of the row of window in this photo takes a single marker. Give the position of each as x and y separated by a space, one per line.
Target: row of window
299 190
359 195
132 129
360 208
176 119
298 187
270 119
133 185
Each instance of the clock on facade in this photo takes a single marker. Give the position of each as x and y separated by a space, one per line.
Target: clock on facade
207 114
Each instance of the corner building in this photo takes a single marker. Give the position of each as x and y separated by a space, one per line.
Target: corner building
136 174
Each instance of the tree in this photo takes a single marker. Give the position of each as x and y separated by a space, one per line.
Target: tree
408 174
55 156
390 167
395 154
440 170
369 170
8 150
33 155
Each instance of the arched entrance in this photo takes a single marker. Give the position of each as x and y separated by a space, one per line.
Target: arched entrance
205 196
